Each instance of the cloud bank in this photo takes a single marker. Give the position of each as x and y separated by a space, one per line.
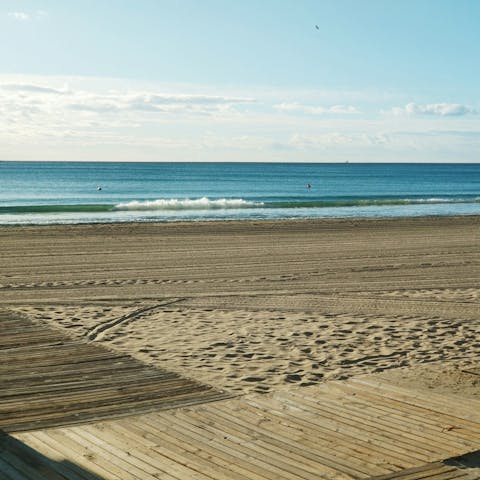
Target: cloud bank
36 98
438 109
112 119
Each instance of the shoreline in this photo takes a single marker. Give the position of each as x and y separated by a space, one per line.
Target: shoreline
243 221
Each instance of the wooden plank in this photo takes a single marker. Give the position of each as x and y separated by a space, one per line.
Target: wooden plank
49 379
428 399
185 458
69 470
431 471
121 445
93 455
109 453
97 412
203 434
136 408
402 411
139 381
8 472
27 467
48 443
170 467
138 438
292 438
405 423
429 413
205 441
145 433
327 421
441 403
319 442
394 410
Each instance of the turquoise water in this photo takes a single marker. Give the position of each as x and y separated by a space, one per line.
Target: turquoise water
87 192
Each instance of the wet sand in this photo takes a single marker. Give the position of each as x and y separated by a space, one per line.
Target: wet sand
261 306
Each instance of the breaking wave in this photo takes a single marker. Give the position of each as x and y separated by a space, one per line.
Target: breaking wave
206 204
369 202
203 203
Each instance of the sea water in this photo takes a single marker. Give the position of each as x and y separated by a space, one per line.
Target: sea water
89 192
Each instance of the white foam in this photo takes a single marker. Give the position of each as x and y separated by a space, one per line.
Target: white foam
203 203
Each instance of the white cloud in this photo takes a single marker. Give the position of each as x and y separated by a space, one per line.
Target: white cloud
155 102
317 110
21 16
59 117
48 113
34 97
438 109
26 16
27 88
343 109
329 139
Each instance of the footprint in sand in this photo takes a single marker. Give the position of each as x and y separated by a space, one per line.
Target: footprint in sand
293 377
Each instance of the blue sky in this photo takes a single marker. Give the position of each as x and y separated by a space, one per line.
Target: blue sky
215 80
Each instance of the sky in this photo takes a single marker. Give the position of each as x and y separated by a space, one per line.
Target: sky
250 80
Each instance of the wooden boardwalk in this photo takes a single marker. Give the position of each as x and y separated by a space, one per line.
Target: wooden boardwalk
341 430
48 379
75 411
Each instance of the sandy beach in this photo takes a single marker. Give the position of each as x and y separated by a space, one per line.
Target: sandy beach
261 306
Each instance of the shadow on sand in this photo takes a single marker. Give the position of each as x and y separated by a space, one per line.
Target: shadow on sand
20 462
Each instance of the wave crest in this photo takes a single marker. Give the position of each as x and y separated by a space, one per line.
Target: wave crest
203 203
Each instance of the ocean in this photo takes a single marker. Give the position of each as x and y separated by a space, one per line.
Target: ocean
91 192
